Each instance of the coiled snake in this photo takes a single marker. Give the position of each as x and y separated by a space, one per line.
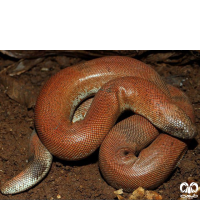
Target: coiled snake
118 84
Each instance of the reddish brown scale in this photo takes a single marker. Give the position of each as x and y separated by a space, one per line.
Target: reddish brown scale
146 95
54 108
119 161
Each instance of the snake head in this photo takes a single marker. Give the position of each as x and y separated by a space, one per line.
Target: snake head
179 123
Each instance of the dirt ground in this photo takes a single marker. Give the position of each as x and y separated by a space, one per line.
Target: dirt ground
82 179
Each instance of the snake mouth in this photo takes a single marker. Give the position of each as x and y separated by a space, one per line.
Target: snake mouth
191 132
184 133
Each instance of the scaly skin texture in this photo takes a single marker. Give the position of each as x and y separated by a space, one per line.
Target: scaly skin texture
119 161
40 160
119 84
64 91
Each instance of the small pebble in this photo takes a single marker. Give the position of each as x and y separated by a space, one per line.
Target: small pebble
45 69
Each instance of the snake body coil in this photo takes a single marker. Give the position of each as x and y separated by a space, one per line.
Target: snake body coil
118 84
